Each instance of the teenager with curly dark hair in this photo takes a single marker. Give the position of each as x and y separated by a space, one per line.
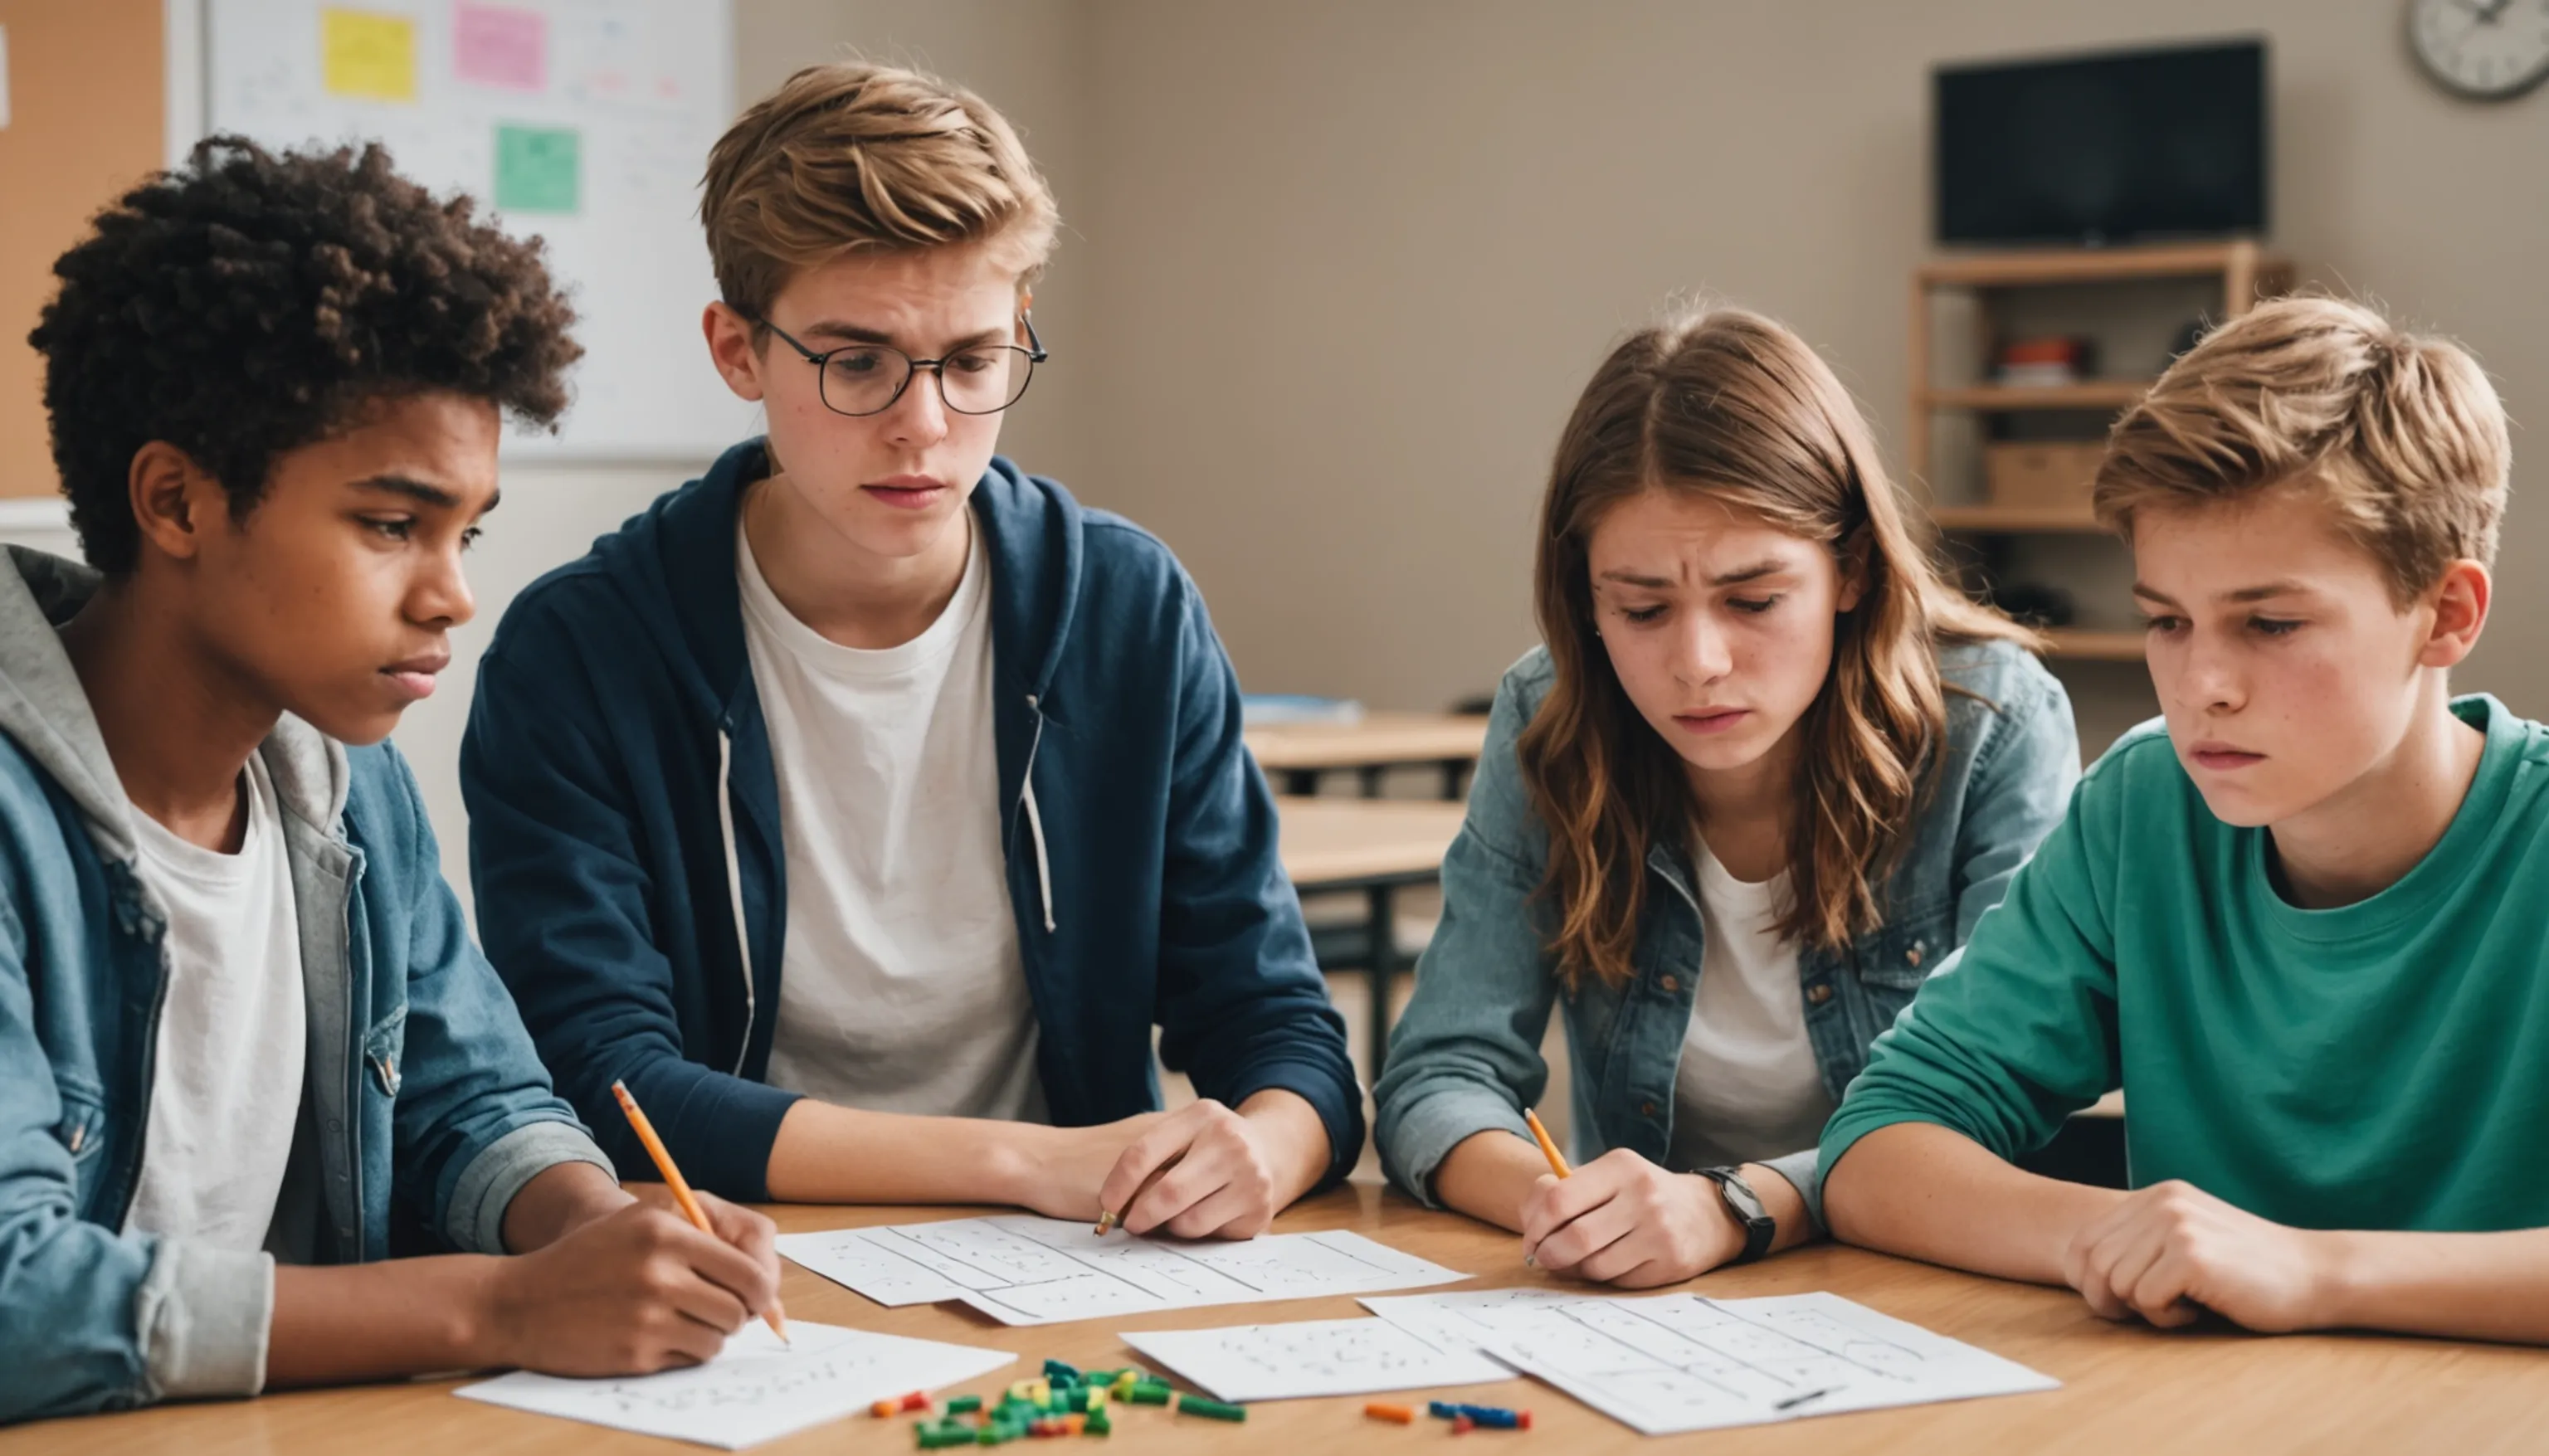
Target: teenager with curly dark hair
247 1051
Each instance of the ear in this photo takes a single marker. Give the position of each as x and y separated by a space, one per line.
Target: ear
2460 602
175 502
1852 560
731 349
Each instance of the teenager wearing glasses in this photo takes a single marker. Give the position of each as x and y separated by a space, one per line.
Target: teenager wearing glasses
866 803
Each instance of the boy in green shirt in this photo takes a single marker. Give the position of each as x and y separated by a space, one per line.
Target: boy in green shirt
2306 927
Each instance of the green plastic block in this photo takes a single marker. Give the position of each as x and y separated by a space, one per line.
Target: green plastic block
1214 1409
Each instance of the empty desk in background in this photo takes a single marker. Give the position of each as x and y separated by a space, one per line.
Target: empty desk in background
1378 847
1298 754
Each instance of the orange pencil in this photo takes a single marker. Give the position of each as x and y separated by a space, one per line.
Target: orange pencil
1548 1150
681 1187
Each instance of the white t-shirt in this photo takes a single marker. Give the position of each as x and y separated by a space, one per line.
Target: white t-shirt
900 988
227 1089
1748 1087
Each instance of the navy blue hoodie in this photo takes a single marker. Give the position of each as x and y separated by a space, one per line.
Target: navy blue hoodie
624 822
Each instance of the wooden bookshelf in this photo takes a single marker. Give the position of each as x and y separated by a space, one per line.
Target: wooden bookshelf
2036 267
2101 394
2080 645
1988 534
2246 272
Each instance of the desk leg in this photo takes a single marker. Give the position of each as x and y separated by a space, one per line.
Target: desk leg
1455 777
1372 776
1301 784
1381 951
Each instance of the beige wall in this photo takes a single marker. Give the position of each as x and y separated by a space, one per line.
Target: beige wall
1334 269
1028 57
553 511
1352 261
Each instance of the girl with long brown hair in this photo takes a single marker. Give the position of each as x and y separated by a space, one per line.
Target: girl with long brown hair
1764 777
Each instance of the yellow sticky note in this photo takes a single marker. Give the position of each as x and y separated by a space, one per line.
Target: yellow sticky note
367 56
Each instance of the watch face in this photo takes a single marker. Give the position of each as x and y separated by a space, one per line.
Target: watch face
1740 1198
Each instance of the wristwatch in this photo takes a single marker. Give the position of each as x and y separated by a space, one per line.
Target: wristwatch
1759 1229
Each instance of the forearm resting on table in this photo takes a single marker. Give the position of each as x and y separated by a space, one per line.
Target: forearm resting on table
338 1324
1296 1140
556 1202
1926 1192
346 1323
1489 1174
846 1154
839 1154
2461 1285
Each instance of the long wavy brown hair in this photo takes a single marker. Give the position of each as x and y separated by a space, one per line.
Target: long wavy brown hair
1732 406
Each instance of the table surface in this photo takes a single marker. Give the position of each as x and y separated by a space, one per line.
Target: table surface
1378 739
1332 841
2126 1390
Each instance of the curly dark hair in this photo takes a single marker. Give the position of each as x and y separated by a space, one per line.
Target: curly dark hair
249 304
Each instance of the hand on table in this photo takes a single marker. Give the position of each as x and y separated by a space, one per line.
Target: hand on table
2171 1251
1621 1220
1202 1171
633 1292
1064 1166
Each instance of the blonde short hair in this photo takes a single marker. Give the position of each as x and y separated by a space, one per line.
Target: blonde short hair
2401 433
851 157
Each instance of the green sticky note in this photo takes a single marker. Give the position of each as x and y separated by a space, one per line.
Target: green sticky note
539 170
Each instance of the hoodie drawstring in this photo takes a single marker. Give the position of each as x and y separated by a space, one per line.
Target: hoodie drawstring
1035 820
1044 869
735 887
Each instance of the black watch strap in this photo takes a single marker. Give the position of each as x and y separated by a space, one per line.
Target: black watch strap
1759 1229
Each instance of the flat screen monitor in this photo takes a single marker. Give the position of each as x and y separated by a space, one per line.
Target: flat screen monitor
2102 148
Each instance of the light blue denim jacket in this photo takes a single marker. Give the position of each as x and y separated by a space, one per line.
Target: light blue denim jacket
1465 1056
423 1110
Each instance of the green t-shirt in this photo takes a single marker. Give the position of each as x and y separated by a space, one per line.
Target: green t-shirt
2379 1066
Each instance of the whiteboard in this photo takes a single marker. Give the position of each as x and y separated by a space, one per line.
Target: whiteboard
585 122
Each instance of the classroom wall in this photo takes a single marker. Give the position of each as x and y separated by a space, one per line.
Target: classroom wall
552 512
1022 54
62 159
1353 260
1331 273
1031 61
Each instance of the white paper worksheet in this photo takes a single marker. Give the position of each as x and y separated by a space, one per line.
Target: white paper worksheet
1680 1363
1312 1357
756 1390
1020 1269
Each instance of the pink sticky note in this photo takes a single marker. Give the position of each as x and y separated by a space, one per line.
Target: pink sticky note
492 45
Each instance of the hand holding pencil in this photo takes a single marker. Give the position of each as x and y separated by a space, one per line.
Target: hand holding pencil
681 1190
636 1287
1622 1220
1547 1148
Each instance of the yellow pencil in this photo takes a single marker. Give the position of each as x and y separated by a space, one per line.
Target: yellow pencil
1548 1150
681 1187
1109 1219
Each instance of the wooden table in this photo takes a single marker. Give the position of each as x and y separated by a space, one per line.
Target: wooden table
2126 1389
1378 847
1301 753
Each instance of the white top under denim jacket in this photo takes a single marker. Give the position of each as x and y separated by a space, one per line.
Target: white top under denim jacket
1466 1056
423 1112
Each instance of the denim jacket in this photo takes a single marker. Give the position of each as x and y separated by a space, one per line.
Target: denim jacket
424 1109
1465 1056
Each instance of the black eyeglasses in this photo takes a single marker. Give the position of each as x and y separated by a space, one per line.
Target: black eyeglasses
866 379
